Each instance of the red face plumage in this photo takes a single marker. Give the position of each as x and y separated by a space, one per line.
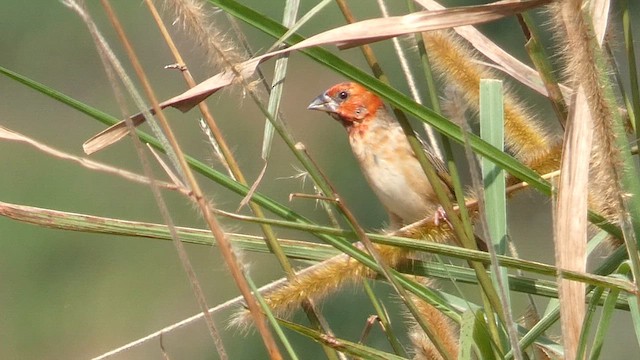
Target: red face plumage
348 102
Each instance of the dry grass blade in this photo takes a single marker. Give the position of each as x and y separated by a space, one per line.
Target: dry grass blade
181 324
350 35
167 169
235 270
228 54
571 219
109 135
368 31
599 10
582 129
110 61
64 220
11 135
505 61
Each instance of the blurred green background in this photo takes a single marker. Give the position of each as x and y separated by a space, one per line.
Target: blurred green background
67 295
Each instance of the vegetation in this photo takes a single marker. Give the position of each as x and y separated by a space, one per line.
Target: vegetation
456 301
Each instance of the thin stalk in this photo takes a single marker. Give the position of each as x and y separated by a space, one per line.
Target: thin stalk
630 116
242 190
631 60
230 160
385 322
426 67
223 243
383 267
113 67
460 253
586 324
492 198
540 60
272 241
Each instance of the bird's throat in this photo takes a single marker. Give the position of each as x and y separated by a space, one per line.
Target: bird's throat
356 128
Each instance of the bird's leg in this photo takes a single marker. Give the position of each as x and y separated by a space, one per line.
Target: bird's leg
395 222
441 215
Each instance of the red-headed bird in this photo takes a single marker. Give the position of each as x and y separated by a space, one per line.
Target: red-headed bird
383 152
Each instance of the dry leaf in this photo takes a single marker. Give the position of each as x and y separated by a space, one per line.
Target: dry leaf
350 35
505 61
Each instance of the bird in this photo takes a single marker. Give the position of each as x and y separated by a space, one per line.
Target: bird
384 154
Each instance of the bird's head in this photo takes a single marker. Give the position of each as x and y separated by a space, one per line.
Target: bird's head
350 103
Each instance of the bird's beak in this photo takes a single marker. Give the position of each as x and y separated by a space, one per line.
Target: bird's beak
323 103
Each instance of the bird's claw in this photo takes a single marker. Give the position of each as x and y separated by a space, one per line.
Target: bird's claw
439 216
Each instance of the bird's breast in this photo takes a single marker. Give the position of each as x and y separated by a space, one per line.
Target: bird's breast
393 172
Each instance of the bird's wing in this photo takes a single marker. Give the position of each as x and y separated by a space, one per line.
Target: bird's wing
441 168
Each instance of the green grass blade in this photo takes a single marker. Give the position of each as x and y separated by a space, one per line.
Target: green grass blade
588 321
631 60
342 345
482 338
399 100
78 222
384 320
279 75
272 320
517 283
635 316
295 249
494 184
540 60
603 325
200 167
466 335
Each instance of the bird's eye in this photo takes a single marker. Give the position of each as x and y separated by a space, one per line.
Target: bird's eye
342 95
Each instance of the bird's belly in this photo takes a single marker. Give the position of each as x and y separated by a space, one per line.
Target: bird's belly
400 187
